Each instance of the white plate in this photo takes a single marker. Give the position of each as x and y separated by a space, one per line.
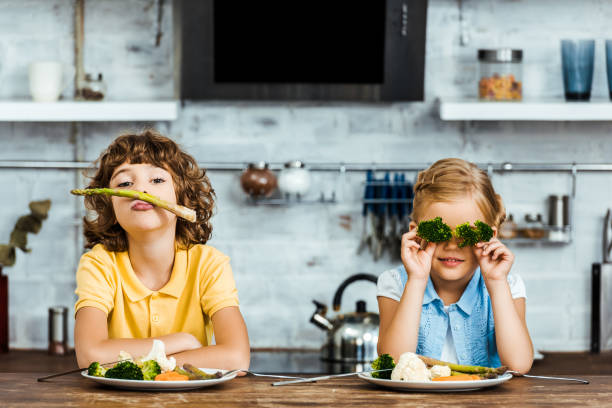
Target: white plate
435 386
162 385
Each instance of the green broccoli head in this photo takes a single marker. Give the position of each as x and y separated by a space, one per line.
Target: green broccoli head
434 230
472 235
150 369
96 370
383 362
125 370
485 232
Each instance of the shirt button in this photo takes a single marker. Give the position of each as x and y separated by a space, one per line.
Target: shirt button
456 327
155 318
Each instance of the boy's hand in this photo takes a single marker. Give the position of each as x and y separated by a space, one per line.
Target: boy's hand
189 341
417 261
495 259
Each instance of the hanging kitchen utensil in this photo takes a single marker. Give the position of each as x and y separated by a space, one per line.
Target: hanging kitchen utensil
382 216
607 237
374 217
351 337
392 241
367 208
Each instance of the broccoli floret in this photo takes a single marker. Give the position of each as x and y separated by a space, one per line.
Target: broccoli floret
472 235
384 361
434 230
467 234
485 232
125 370
96 370
150 369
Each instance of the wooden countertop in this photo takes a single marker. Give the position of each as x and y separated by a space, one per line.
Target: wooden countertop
22 390
308 362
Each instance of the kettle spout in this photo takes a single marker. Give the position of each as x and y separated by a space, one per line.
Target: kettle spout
318 317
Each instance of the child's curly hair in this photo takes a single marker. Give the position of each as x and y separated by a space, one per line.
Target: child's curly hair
192 186
448 179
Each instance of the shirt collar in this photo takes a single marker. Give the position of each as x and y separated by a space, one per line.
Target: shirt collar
465 303
430 293
136 290
468 298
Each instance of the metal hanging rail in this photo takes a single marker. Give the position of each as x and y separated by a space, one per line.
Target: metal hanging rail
337 167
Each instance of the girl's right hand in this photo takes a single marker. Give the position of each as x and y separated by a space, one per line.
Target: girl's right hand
417 261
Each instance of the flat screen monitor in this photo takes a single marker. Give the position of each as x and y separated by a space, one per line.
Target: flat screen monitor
370 50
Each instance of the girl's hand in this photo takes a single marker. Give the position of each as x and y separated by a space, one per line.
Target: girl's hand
417 261
495 259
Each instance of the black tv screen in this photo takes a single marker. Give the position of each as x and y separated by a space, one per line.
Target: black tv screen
334 50
285 41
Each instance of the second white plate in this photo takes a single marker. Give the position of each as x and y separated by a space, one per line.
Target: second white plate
435 386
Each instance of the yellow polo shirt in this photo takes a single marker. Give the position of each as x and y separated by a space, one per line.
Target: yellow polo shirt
201 284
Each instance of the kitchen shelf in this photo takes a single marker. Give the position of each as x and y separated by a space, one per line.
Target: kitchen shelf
533 241
551 236
526 110
87 111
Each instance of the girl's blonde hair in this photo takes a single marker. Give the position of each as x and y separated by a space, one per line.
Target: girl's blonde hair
450 179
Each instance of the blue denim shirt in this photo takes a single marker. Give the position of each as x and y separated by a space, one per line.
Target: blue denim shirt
471 322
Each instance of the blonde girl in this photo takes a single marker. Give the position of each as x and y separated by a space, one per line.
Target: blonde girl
455 304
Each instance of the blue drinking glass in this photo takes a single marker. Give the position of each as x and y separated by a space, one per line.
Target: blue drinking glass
577 58
609 65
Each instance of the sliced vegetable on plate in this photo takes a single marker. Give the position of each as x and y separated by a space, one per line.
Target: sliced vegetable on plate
154 371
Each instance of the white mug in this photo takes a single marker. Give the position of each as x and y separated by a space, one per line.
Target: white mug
46 80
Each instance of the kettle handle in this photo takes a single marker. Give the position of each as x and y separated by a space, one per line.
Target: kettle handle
348 281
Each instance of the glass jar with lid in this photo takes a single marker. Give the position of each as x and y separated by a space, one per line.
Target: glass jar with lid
501 72
92 88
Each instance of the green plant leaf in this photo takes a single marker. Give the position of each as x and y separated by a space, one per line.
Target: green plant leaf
40 209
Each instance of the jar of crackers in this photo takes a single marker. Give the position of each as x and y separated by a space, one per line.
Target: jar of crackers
501 72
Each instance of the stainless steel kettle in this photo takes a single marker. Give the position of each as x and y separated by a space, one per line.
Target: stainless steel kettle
351 337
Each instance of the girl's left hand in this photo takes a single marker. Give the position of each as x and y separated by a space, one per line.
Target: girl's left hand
494 258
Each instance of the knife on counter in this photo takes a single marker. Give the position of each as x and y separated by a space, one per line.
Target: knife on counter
326 377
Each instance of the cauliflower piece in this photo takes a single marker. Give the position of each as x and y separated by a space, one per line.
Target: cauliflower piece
440 371
410 368
158 354
125 356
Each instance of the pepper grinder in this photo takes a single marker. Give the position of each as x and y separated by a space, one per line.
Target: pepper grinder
58 330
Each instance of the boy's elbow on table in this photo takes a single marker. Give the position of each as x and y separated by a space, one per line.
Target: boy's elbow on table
86 357
242 359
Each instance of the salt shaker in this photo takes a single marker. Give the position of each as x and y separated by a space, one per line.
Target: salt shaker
58 330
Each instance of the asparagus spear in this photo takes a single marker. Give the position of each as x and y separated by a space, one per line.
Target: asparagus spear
201 374
179 210
464 368
192 376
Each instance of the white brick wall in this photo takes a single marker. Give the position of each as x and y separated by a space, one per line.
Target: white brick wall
284 257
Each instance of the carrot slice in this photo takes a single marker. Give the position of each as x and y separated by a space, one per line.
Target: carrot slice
171 376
